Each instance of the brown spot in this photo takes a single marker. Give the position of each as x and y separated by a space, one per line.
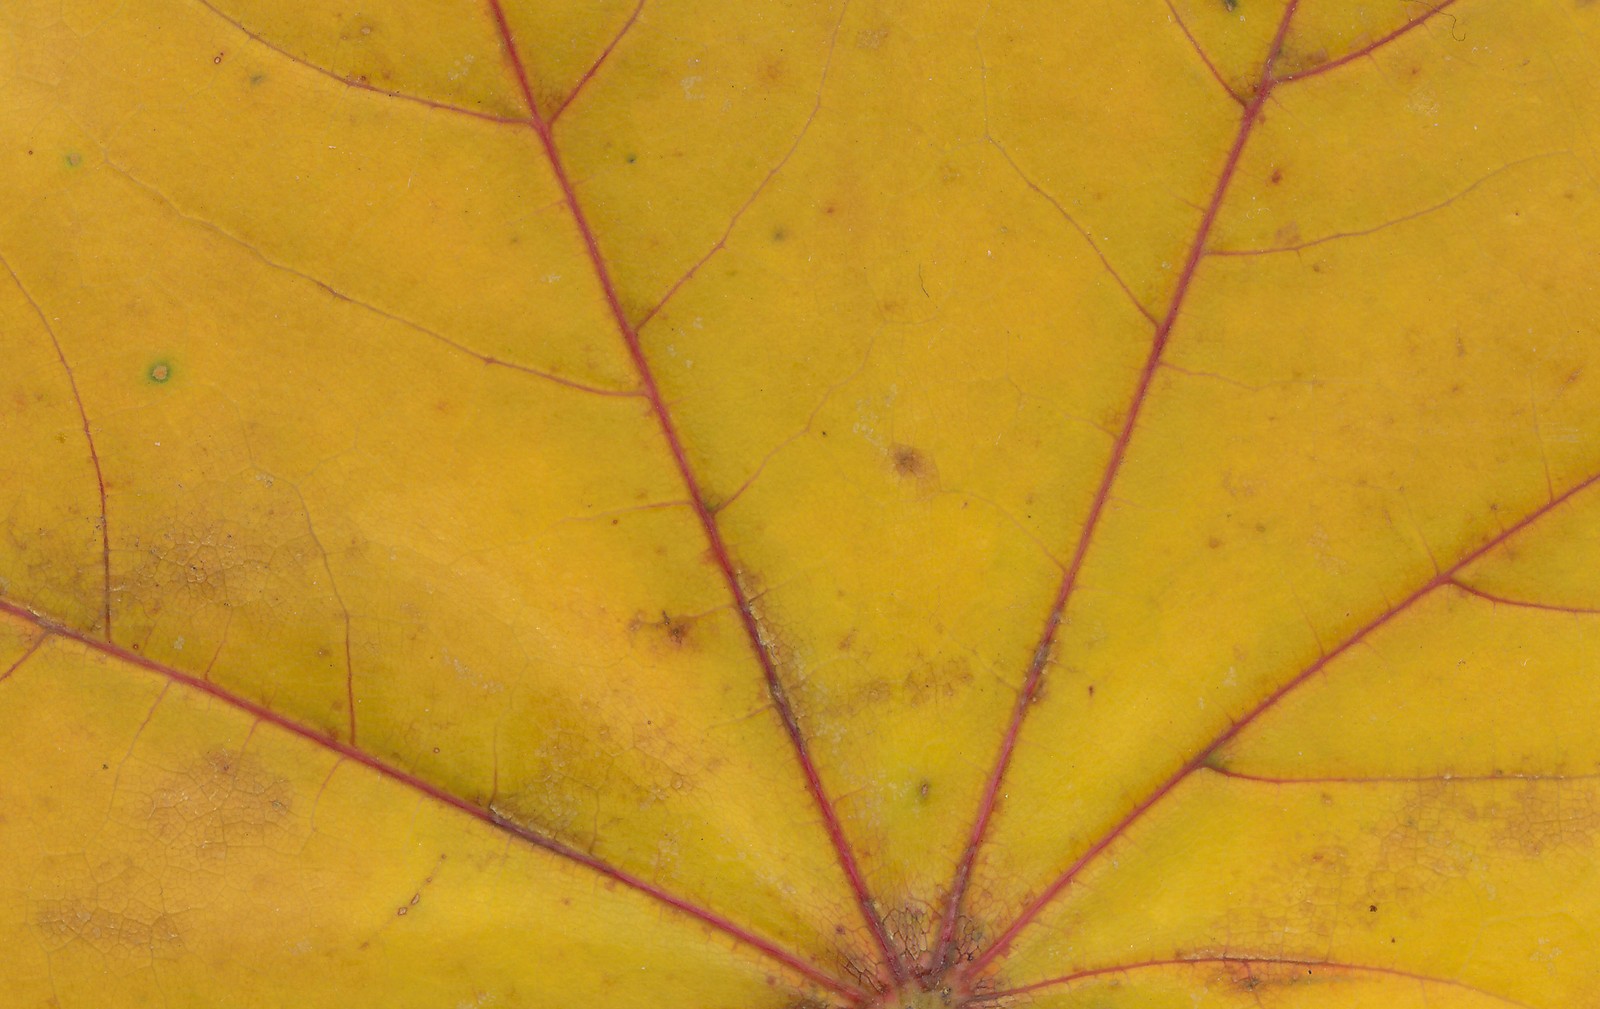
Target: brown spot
1276 176
218 58
908 461
935 682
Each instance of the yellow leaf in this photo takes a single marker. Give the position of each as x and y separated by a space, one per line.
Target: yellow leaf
641 503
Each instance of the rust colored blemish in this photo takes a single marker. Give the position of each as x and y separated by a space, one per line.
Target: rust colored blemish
673 629
772 71
908 461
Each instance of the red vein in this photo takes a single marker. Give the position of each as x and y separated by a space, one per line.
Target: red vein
1195 43
1362 232
1223 961
761 186
1042 651
595 66
88 437
264 714
1367 50
1523 603
37 643
344 610
1080 229
811 422
1398 779
122 765
697 499
357 82
349 299
983 67
1201 757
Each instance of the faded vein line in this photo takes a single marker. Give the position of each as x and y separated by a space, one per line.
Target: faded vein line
1194 43
766 180
1415 214
1204 755
1310 966
1525 604
327 288
1072 222
1042 651
344 610
22 659
703 513
1397 779
263 714
355 82
594 67
88 437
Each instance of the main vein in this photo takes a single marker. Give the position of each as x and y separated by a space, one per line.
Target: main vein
1119 451
1449 576
708 523
347 751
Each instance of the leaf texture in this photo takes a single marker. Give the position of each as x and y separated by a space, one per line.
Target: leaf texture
643 503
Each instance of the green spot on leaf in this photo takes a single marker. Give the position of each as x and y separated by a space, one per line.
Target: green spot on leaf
160 372
74 159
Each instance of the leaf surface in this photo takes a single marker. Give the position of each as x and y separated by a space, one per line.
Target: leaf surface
796 504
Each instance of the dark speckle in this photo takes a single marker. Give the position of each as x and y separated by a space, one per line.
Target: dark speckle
257 78
218 58
779 234
630 159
